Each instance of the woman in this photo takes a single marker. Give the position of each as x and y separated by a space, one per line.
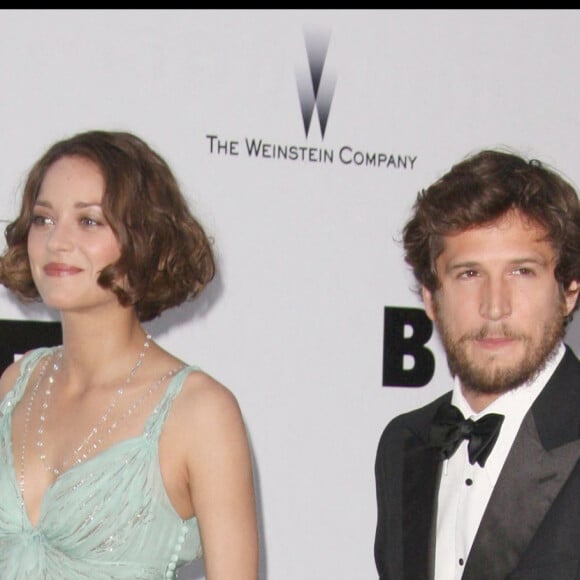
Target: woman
117 461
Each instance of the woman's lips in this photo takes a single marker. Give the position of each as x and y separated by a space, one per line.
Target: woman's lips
58 269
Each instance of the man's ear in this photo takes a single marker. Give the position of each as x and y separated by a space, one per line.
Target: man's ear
571 295
428 300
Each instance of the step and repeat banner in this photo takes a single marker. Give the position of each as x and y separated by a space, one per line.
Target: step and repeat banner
300 139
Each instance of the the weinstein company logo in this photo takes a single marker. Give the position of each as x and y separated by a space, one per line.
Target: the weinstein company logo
316 86
316 83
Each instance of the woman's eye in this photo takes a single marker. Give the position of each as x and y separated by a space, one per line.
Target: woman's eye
42 220
87 221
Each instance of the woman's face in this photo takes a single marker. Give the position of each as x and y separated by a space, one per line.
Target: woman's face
69 241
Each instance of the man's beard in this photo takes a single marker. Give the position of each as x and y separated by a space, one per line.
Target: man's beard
490 380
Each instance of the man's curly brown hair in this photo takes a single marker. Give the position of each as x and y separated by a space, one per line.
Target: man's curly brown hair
481 189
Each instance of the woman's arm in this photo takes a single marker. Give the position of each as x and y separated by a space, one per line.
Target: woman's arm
220 476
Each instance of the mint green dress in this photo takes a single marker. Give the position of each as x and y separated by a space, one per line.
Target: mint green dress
108 518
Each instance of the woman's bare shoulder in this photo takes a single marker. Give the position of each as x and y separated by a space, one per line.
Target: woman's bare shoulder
206 410
10 375
203 395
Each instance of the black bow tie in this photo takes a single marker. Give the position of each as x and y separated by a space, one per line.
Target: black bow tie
450 428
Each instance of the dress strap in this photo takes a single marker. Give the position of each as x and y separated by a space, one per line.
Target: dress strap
27 365
156 421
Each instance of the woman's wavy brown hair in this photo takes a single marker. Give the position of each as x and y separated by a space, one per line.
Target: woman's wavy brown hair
483 188
166 257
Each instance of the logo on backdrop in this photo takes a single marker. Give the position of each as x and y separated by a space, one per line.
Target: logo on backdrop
316 81
19 336
407 362
316 85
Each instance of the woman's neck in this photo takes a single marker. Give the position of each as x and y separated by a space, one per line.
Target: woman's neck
99 349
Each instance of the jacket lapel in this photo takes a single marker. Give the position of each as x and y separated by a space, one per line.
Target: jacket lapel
421 470
526 488
542 457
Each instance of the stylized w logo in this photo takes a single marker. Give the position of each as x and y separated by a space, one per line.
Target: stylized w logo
314 91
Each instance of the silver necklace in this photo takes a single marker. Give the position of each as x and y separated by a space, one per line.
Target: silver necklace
134 406
26 429
81 452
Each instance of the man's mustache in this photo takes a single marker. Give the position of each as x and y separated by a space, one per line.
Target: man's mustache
499 332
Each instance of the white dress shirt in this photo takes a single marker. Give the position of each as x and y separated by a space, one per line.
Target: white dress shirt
465 489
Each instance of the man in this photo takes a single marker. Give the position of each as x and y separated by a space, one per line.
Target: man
495 248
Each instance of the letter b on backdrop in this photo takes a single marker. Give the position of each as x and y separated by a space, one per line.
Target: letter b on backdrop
19 336
407 362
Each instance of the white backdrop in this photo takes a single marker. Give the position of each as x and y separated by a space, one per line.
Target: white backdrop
293 324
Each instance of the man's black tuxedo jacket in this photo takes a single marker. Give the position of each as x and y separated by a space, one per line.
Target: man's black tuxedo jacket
531 527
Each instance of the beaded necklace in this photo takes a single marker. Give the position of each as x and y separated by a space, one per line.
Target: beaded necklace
78 456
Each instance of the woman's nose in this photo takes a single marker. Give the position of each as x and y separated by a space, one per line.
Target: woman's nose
60 238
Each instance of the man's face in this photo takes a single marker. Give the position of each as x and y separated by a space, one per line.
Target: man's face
499 310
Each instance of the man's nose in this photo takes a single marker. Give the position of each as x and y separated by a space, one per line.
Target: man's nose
495 302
